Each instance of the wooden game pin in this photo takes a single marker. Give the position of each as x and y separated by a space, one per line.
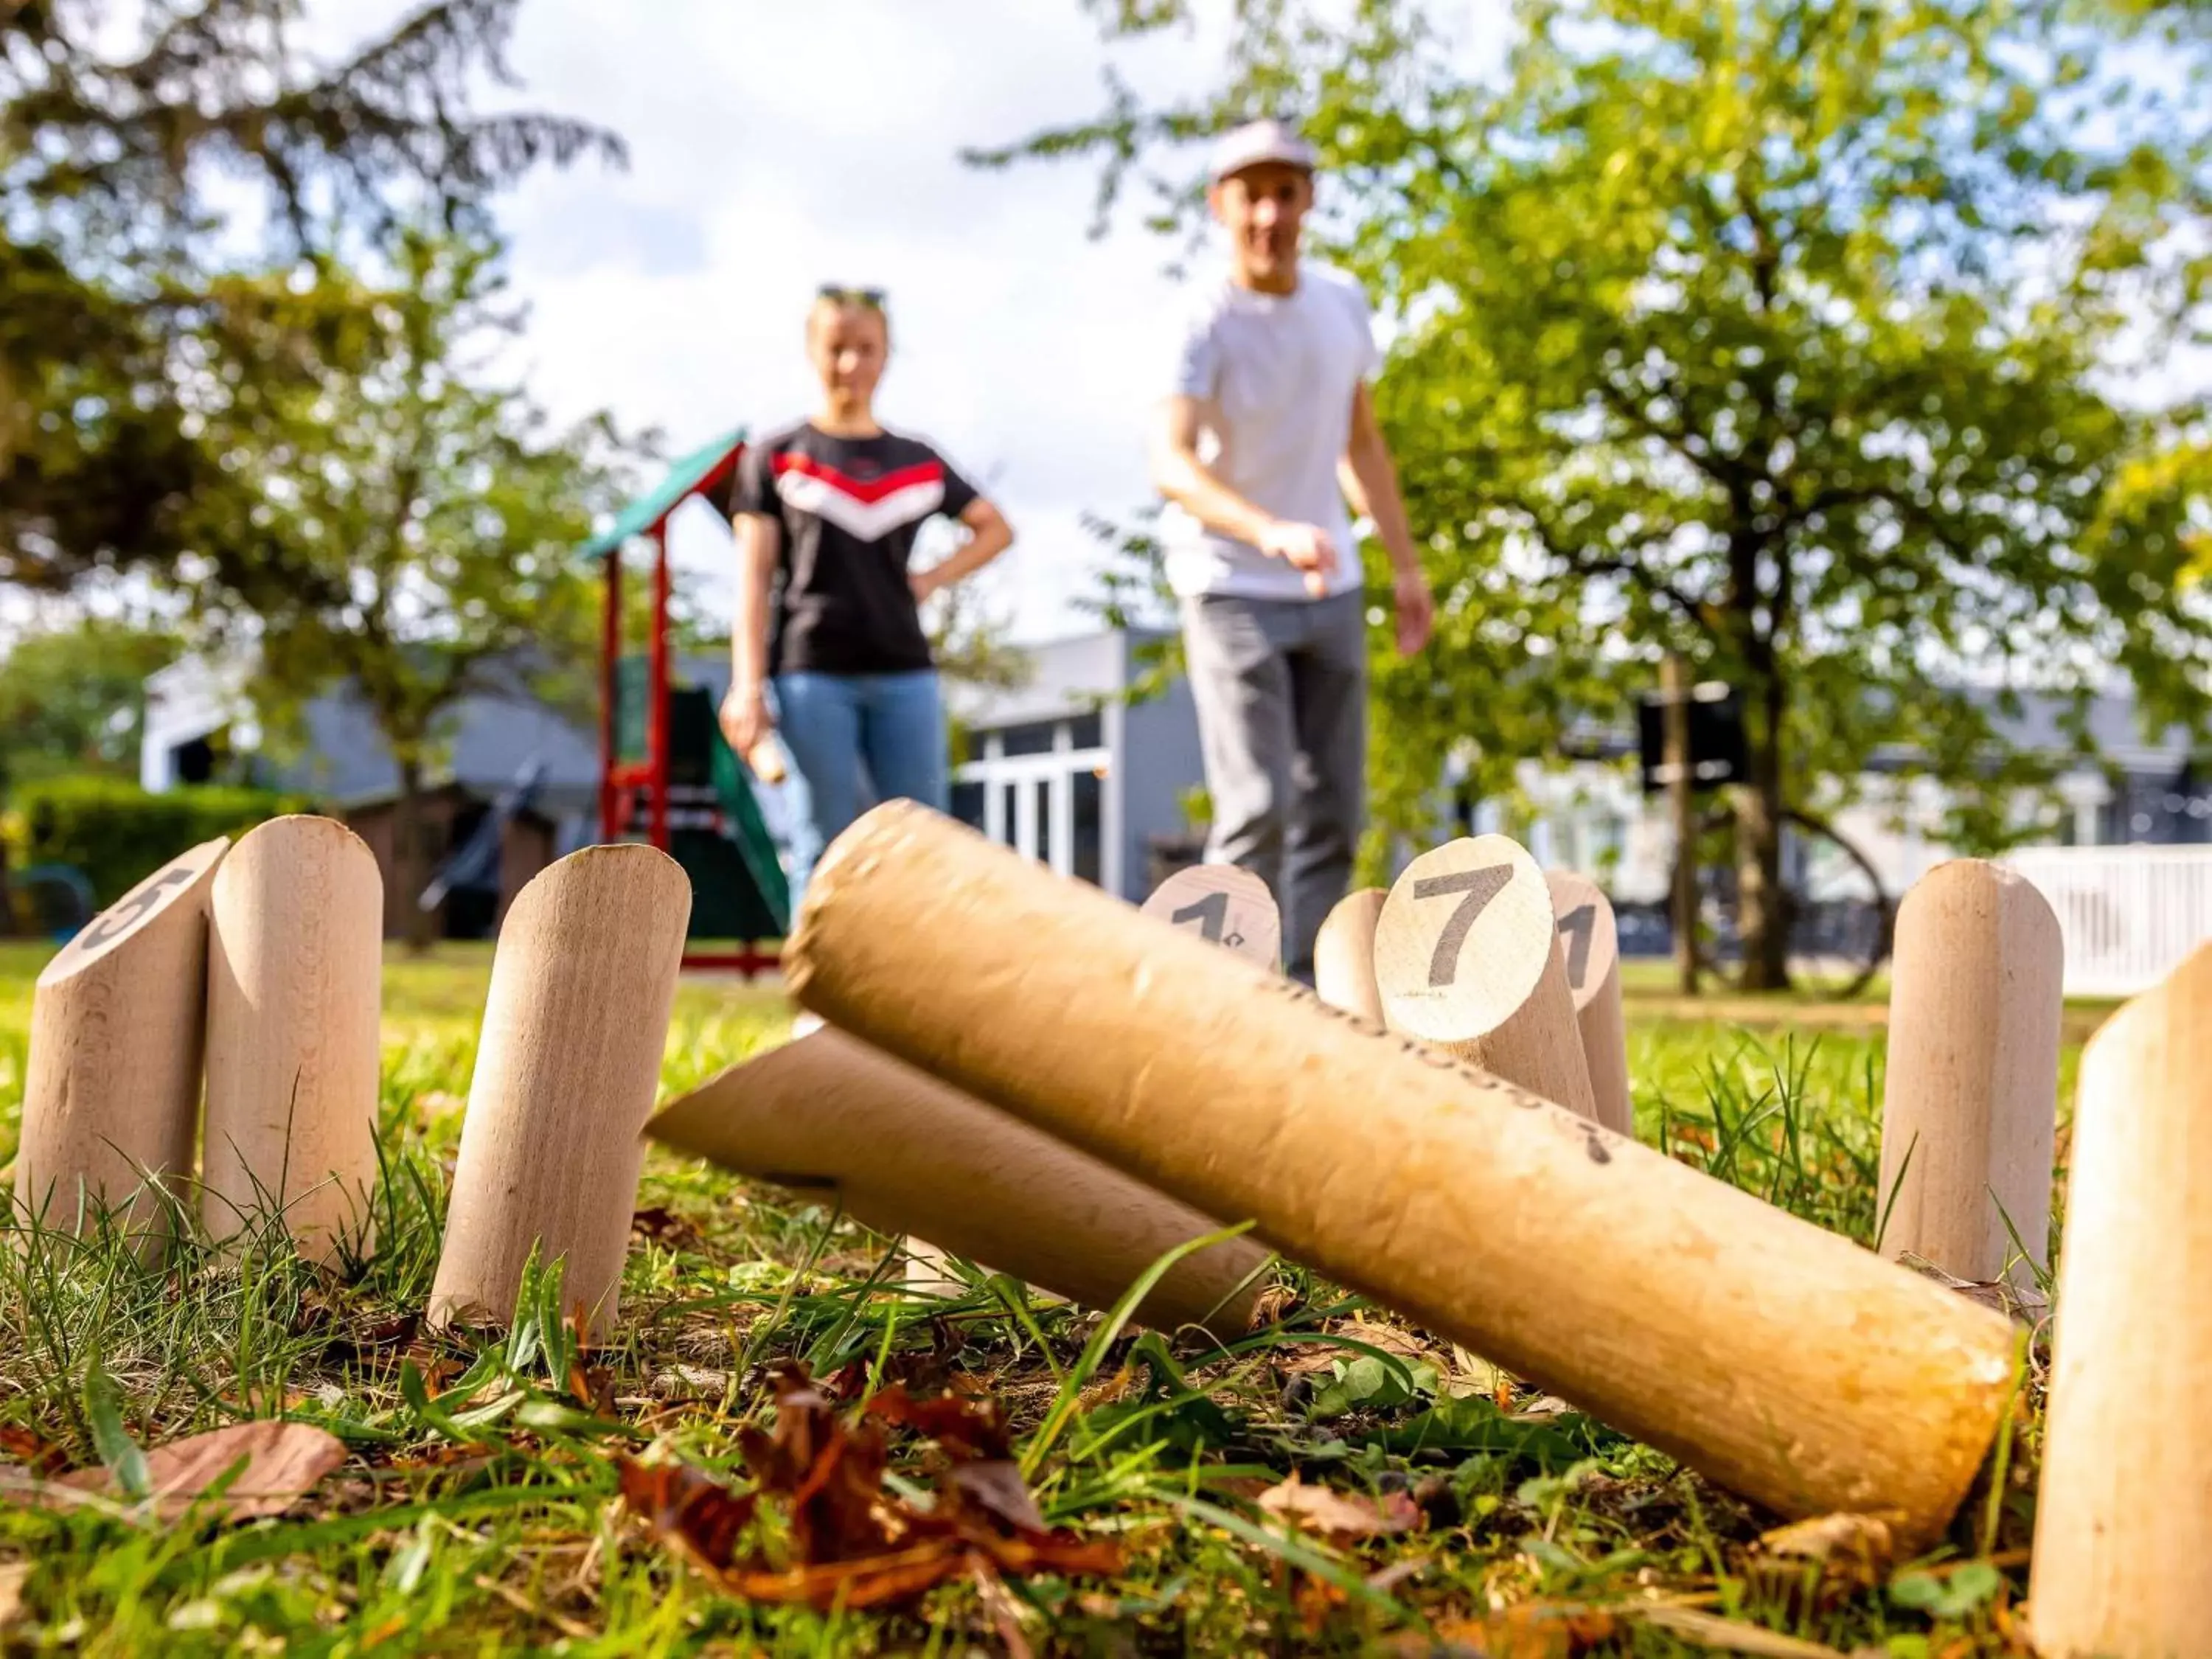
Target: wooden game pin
112 1095
1344 955
1468 959
2122 1563
1223 905
830 1114
1781 1359
1970 1110
294 958
582 986
1589 941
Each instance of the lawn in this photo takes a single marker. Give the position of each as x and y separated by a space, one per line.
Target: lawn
478 1509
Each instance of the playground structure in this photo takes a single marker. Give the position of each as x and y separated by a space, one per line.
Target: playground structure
666 775
1132 1075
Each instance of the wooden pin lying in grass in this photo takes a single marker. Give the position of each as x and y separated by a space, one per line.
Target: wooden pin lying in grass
1780 1360
1970 1110
1589 941
574 1023
830 1114
2123 1520
1468 959
295 962
1223 905
112 1094
1344 955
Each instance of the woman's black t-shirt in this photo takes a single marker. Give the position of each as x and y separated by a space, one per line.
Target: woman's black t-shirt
849 509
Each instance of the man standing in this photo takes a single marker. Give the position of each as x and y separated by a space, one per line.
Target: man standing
1269 427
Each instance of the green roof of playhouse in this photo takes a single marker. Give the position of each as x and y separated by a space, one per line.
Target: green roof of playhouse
695 473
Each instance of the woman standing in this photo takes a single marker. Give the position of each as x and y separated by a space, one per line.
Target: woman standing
833 655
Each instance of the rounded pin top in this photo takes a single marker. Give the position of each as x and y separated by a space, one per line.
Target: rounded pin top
1959 890
1223 905
639 873
1464 936
1588 933
182 880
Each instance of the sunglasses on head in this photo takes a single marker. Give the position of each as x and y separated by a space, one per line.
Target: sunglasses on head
871 297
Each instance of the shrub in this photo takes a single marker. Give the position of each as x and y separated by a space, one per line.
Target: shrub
116 833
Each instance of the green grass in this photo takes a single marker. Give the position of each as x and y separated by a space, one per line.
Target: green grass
477 1510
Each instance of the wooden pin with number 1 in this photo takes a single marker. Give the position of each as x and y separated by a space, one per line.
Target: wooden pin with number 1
1590 938
1223 905
1468 958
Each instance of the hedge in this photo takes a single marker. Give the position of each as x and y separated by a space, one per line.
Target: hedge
116 833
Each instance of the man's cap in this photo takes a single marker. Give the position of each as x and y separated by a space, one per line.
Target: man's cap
1256 142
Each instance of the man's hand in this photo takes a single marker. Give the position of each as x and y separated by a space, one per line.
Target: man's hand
1416 611
745 718
1306 548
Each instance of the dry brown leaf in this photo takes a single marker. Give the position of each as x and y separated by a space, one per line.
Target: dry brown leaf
283 1463
1818 1561
1530 1630
1339 1515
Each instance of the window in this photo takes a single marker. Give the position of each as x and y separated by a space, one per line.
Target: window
1033 739
1087 732
1089 863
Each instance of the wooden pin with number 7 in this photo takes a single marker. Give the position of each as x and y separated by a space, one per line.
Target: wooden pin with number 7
1468 958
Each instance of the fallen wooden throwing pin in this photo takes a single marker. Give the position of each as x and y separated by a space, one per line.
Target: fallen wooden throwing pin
295 963
1468 959
829 1114
1589 944
1970 1108
1784 1361
2123 1566
1222 905
1344 955
581 989
111 1093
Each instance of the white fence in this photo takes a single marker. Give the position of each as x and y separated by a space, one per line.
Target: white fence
2129 915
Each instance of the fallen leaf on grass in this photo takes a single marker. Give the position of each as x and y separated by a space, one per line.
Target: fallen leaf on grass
1337 1514
283 1463
1826 1557
37 1454
13 1575
1731 1636
855 1541
1530 1630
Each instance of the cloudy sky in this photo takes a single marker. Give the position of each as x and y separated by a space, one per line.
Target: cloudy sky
769 155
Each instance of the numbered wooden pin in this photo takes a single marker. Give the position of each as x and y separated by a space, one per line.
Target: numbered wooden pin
1223 905
581 989
1780 1360
1468 958
294 958
2124 1519
830 1114
1344 955
1970 1110
1589 942
111 1097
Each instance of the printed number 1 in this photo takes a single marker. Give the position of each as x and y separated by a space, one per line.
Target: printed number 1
1480 886
1578 925
1210 913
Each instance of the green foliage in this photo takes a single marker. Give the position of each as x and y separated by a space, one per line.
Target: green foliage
125 350
117 834
72 698
1782 336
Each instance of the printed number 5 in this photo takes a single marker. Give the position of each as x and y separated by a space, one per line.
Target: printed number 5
1480 886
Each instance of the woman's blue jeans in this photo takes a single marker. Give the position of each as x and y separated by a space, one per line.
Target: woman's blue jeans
835 727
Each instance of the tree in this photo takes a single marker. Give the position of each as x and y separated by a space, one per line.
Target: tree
1786 336
72 697
116 347
429 516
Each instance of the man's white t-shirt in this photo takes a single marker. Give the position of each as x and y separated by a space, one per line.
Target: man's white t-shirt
1276 372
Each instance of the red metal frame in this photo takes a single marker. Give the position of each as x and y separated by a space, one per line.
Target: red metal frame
619 782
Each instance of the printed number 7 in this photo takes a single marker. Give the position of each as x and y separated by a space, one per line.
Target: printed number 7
1480 886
